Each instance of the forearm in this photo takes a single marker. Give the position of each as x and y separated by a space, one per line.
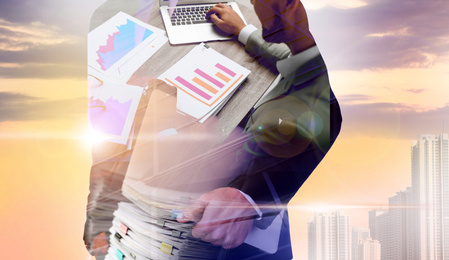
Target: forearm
267 54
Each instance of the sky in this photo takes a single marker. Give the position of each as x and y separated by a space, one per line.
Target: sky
388 63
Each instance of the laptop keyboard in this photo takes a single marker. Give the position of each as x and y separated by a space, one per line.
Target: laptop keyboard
190 15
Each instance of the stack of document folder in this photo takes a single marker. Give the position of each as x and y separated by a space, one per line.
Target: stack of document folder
147 227
154 233
105 193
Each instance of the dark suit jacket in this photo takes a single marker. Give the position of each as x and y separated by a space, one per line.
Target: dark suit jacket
292 130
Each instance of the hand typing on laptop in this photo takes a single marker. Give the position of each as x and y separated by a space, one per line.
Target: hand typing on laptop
226 19
186 22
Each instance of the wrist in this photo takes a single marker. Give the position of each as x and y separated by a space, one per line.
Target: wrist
245 32
253 203
239 29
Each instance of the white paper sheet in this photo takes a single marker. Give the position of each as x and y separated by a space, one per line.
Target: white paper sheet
114 45
205 79
112 108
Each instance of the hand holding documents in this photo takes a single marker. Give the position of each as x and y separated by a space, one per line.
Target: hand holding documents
223 217
174 163
169 169
205 80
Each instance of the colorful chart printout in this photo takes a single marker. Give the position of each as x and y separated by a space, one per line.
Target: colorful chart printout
117 41
206 77
112 108
121 42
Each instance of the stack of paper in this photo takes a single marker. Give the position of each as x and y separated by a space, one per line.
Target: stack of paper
205 80
103 198
118 47
160 191
154 234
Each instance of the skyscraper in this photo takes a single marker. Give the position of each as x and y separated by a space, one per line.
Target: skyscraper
368 249
416 225
392 227
398 229
374 223
430 185
328 236
358 234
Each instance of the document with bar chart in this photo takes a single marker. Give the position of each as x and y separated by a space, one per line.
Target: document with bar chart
205 80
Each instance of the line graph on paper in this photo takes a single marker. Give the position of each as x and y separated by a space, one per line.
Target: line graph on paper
111 110
108 116
117 41
120 43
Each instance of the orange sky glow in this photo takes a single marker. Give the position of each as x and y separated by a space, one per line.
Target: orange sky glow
45 161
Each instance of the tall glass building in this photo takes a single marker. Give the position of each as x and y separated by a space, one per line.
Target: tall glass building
328 236
430 187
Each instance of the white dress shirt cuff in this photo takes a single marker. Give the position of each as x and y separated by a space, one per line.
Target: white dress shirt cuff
256 208
246 32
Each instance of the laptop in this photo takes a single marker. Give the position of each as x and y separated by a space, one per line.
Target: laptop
185 21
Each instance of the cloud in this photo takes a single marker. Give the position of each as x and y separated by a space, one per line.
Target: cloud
21 107
9 98
415 90
35 50
70 53
383 34
394 120
17 37
354 98
68 15
43 71
43 39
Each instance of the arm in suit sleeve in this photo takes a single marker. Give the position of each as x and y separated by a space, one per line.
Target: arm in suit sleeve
266 53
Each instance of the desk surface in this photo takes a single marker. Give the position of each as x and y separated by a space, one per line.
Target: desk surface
241 102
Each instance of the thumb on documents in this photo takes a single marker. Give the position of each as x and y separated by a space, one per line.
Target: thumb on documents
194 212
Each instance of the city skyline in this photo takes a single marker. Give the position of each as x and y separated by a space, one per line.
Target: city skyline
387 63
414 226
